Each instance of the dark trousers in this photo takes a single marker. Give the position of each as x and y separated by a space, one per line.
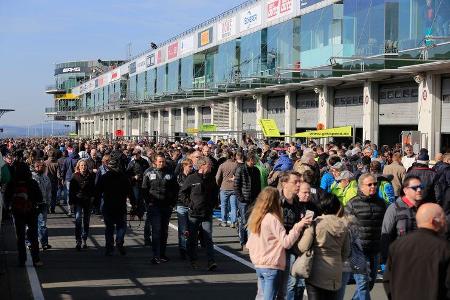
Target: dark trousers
316 293
21 223
117 223
160 218
204 225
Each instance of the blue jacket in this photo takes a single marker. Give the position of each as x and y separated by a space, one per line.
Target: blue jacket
326 181
69 166
284 163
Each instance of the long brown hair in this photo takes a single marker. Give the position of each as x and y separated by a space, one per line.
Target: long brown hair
268 201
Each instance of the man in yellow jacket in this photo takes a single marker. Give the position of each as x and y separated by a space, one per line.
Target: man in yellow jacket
344 187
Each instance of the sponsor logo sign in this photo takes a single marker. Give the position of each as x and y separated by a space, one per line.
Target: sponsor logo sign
205 37
71 70
306 3
250 18
132 67
279 8
141 65
150 60
114 75
226 28
172 50
186 45
159 57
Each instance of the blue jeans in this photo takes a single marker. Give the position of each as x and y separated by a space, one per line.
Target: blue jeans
61 193
67 197
42 224
293 287
183 219
365 282
345 278
160 218
269 281
228 205
205 224
113 223
82 218
243 216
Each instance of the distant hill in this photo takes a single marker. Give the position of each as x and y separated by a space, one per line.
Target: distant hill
37 130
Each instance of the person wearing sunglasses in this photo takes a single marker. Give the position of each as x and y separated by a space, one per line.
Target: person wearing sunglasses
400 215
368 210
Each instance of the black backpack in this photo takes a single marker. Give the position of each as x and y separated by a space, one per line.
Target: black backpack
21 203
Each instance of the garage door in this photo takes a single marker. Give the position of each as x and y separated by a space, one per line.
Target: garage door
275 110
398 104
307 110
348 107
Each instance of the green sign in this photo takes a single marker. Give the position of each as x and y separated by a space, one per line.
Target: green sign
208 128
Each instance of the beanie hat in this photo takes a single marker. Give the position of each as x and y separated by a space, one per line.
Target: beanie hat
423 158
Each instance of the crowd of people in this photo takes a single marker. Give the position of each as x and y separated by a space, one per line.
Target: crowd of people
311 217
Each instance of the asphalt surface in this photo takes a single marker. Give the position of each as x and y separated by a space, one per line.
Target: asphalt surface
89 274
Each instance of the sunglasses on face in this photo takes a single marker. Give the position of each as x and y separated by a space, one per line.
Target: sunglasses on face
416 187
372 184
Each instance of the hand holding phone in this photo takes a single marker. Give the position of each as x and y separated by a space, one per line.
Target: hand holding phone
309 214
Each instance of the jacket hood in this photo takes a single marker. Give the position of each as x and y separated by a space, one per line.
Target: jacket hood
284 163
332 224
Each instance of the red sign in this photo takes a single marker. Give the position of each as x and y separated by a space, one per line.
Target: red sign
159 58
278 8
119 132
172 50
114 75
272 8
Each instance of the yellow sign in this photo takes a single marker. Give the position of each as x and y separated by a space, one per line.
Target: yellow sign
192 130
269 128
68 96
345 131
204 38
208 128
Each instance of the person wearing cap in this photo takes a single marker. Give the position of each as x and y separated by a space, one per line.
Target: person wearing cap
344 187
418 265
427 176
368 209
385 189
327 178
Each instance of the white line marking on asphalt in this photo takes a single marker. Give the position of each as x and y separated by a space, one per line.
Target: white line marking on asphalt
34 280
225 252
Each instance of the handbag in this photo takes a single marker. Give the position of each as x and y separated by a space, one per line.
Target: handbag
303 264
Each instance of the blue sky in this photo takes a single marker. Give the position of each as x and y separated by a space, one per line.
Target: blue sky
36 34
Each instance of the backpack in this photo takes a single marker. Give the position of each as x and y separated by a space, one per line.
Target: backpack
21 203
404 220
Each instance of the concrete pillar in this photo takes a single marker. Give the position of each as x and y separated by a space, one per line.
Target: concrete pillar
171 128
183 120
126 122
261 109
430 106
197 116
237 117
290 115
149 122
231 113
141 123
326 108
113 125
160 122
103 132
370 112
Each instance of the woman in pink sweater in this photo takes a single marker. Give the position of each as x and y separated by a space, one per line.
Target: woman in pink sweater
268 240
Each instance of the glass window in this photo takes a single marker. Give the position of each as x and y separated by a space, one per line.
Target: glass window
151 82
161 81
320 36
173 76
141 86
209 68
187 74
283 47
226 62
250 56
199 70
132 88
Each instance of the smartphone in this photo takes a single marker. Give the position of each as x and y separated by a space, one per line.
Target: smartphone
309 214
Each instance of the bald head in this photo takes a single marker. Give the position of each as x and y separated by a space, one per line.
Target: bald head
431 216
438 157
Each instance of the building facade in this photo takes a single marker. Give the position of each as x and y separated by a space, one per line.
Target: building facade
380 65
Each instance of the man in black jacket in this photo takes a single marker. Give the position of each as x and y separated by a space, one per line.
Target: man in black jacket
114 188
418 265
135 172
160 190
369 211
200 191
247 185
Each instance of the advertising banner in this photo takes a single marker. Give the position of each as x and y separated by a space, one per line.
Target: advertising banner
132 67
141 64
172 50
69 70
279 8
159 57
226 28
205 37
208 128
114 75
345 131
186 45
269 127
306 3
150 60
251 18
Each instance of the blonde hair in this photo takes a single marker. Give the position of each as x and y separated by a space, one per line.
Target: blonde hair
77 167
268 201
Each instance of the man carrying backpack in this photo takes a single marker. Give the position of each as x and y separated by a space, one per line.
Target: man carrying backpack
23 195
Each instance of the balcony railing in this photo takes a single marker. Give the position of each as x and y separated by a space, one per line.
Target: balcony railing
53 89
